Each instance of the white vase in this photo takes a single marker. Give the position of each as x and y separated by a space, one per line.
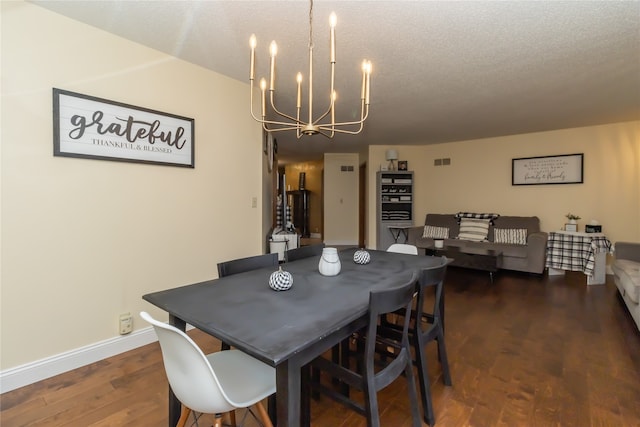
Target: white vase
329 262
573 221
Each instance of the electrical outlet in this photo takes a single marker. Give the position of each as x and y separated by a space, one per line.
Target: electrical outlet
126 323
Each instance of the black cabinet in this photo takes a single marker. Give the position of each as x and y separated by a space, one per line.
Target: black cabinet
299 202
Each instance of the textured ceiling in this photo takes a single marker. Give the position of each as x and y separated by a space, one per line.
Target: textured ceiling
442 71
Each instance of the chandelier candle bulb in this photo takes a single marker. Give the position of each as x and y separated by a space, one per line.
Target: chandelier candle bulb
263 88
299 99
366 98
274 51
252 43
334 96
332 23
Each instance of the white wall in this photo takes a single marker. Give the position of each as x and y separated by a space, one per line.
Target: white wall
479 178
83 240
340 199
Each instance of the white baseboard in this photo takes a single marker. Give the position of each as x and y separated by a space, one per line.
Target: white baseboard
39 370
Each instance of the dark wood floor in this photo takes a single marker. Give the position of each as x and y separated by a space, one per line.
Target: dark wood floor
524 351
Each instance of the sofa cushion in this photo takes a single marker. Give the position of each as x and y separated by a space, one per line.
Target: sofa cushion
474 229
516 236
628 275
531 223
435 232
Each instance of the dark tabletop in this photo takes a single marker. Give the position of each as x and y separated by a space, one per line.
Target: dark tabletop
272 326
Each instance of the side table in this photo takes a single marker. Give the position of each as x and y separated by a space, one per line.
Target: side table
578 251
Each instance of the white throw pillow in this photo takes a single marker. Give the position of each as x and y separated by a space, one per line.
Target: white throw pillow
436 232
474 229
516 236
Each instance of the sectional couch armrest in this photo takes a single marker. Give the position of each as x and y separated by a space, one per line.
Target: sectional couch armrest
537 251
627 250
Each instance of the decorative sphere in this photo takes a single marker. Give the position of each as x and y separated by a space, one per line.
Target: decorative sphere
361 257
280 280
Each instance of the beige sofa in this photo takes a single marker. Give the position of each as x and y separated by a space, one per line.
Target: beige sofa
528 257
626 273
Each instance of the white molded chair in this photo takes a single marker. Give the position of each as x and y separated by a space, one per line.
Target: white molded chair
213 384
403 248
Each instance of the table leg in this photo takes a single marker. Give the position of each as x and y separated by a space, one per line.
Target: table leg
272 409
305 396
288 386
174 404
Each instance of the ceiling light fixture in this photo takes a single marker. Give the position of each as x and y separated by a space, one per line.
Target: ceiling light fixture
312 126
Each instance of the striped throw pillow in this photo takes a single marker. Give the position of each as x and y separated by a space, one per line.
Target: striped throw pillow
516 236
436 232
474 229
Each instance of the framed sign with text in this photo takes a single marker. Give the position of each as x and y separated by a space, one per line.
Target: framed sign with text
562 169
89 127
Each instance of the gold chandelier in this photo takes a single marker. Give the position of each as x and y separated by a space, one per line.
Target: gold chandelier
312 126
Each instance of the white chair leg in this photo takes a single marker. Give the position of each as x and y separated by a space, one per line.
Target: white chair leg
231 418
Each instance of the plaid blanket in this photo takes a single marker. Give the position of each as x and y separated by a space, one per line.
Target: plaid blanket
575 252
473 215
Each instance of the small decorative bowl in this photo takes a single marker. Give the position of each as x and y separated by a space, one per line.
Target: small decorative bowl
361 257
280 280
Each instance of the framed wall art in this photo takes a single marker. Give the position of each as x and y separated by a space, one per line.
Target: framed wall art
562 169
95 128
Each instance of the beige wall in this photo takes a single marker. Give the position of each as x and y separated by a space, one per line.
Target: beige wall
479 178
83 240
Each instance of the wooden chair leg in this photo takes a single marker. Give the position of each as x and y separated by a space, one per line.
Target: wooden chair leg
230 418
183 416
264 416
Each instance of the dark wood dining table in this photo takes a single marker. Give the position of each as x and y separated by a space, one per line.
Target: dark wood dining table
286 329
